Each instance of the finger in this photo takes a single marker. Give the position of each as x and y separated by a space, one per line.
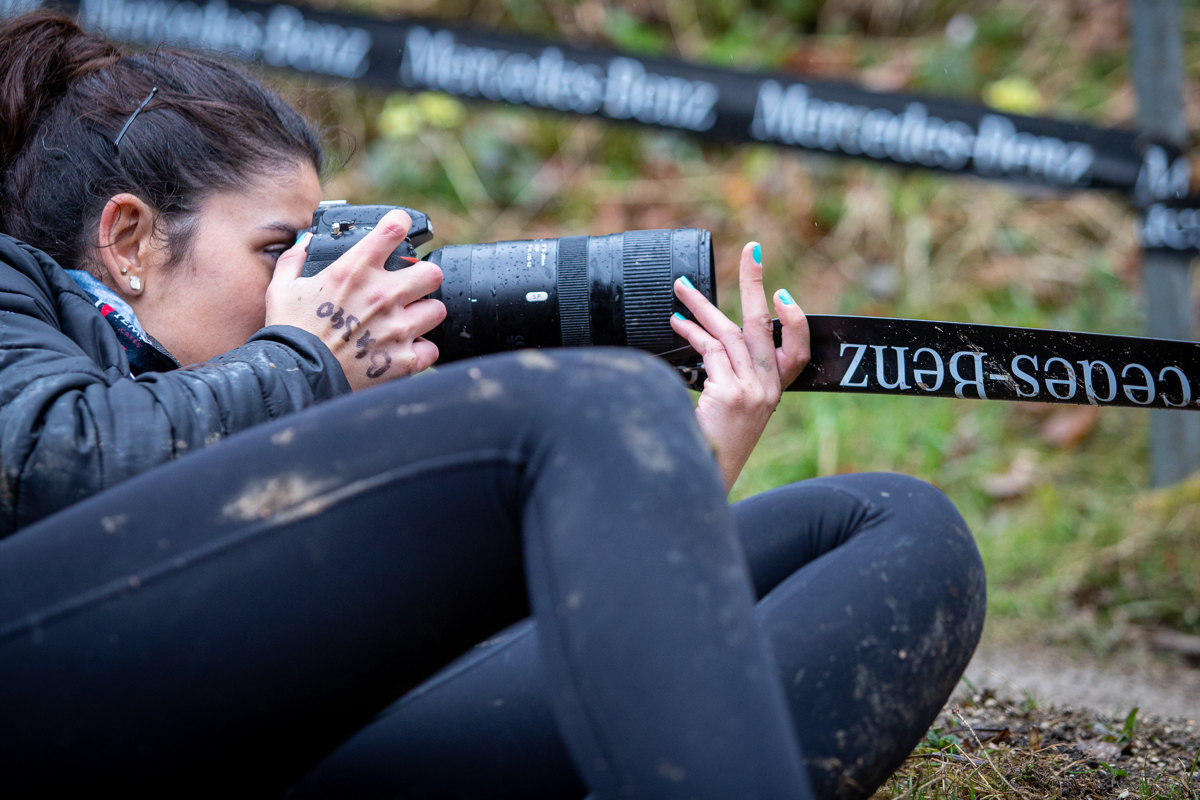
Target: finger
716 326
387 361
380 241
426 352
290 263
756 319
713 352
794 350
423 316
411 283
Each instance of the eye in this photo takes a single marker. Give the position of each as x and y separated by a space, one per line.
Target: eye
274 251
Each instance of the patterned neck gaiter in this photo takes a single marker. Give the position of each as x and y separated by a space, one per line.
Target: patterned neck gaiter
144 353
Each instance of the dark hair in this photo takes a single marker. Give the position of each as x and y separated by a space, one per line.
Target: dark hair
65 95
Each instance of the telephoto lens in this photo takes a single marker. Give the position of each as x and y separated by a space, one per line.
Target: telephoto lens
575 291
615 290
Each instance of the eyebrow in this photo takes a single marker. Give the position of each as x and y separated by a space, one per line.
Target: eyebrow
281 227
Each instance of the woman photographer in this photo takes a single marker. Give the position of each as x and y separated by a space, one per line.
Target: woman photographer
239 556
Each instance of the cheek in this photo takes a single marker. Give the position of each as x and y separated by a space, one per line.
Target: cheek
240 310
250 303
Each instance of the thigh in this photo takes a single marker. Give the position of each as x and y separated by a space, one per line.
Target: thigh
246 607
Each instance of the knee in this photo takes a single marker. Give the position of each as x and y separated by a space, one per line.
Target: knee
928 512
922 507
599 384
627 373
930 534
953 565
921 541
602 400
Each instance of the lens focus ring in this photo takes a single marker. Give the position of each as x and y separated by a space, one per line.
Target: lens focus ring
648 292
573 307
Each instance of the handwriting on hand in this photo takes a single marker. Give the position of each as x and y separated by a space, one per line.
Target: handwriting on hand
380 361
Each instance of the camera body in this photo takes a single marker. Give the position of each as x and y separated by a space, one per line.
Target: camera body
338 226
615 290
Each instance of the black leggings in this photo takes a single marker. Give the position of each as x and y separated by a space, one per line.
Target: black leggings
871 595
223 623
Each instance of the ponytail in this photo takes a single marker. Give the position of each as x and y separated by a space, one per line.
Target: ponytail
66 94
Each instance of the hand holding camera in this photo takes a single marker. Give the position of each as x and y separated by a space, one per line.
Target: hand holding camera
373 320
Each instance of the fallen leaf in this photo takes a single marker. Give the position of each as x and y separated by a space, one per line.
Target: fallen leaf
1099 749
1019 479
1070 426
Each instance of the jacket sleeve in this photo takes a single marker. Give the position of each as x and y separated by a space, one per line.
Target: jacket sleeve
72 424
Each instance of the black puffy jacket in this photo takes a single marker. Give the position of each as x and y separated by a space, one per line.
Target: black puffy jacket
72 419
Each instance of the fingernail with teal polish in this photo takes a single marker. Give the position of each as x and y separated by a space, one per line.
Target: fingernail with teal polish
302 237
758 254
686 282
677 315
786 297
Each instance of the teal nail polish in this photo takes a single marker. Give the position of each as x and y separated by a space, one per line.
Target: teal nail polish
686 282
786 297
677 315
302 237
758 254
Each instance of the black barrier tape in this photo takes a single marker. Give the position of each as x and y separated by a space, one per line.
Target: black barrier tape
841 119
879 355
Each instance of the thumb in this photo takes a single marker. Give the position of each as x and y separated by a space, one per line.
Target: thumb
291 262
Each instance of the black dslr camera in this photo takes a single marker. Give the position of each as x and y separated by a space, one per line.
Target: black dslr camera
568 292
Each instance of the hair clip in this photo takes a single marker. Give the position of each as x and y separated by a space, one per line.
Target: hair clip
133 116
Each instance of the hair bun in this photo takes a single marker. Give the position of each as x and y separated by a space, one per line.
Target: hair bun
42 53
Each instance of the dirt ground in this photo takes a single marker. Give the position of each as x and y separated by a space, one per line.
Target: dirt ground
1159 683
1031 721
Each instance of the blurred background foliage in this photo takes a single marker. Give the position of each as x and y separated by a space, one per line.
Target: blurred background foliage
1076 548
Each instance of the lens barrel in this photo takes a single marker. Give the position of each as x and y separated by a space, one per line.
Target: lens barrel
570 292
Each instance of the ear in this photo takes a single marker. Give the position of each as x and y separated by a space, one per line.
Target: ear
128 250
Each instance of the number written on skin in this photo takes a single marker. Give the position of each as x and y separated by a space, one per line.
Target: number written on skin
380 361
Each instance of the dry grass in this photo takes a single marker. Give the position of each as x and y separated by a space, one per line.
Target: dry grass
985 747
